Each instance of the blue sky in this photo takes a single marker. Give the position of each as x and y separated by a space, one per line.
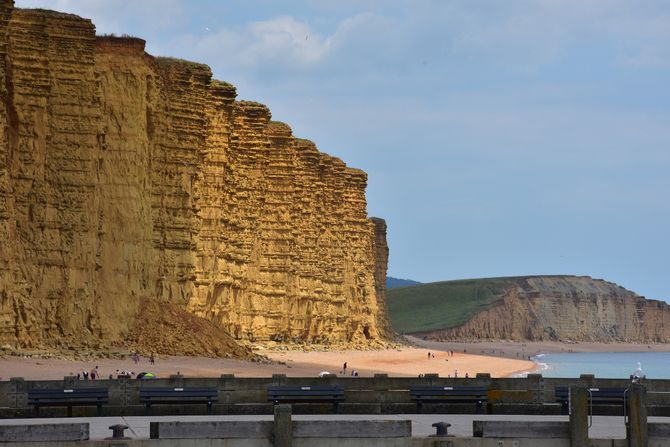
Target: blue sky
500 137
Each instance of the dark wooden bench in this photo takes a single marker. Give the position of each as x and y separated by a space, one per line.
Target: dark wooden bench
421 394
596 396
177 396
69 397
306 394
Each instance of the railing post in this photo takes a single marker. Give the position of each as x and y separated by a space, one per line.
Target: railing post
283 426
381 382
579 409
278 379
484 379
539 387
18 393
636 427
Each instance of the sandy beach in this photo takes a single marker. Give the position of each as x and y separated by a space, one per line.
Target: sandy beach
499 358
405 361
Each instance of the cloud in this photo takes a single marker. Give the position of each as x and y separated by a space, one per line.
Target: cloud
280 41
286 45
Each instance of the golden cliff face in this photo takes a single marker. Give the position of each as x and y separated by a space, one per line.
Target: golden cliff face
568 308
125 177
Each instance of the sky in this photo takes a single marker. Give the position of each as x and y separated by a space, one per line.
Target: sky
500 137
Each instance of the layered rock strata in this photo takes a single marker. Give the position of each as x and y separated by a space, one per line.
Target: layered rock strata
381 261
125 177
573 308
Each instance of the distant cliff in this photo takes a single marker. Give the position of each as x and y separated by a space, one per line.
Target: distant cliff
563 308
392 283
125 177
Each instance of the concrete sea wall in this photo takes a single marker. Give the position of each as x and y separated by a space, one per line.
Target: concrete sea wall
378 395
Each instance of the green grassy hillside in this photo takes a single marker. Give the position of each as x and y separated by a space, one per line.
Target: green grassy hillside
445 304
394 283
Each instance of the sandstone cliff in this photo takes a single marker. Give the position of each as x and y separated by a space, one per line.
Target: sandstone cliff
565 308
125 177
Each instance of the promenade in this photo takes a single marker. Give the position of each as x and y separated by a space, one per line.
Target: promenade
604 427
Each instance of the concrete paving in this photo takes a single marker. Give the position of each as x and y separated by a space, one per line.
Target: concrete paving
608 427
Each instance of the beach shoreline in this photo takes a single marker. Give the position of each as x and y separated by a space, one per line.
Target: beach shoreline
402 361
527 350
498 358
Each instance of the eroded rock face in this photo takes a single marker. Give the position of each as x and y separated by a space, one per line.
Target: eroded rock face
125 177
381 261
567 308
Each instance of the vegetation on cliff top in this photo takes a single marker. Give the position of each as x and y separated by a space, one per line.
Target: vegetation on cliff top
394 283
444 304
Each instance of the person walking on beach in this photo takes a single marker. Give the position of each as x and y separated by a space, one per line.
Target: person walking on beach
344 368
152 359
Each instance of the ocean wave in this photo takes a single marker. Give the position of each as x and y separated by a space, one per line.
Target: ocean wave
540 366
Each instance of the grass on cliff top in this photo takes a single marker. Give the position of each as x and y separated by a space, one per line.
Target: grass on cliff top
446 304
122 36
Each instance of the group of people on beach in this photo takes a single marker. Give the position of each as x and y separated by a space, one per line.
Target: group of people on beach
94 373
450 353
136 358
354 373
431 355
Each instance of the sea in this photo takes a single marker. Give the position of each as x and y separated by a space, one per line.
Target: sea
614 365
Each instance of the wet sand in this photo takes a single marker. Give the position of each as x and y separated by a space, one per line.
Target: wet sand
406 361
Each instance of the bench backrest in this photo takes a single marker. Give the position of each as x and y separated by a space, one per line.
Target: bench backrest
428 390
608 392
177 392
562 392
301 391
68 394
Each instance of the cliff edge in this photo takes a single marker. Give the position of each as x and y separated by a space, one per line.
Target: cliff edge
569 308
125 178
